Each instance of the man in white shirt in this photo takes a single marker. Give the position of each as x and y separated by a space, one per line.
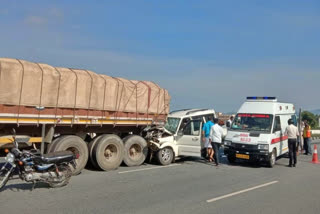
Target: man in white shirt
229 122
292 133
216 134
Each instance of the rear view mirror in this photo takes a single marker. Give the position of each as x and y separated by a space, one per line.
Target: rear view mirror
14 133
180 132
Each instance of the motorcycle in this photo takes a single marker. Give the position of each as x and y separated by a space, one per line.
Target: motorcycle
52 168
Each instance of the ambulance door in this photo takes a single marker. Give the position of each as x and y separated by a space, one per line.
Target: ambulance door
277 135
284 142
189 139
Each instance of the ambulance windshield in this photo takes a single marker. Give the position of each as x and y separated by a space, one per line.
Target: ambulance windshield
252 122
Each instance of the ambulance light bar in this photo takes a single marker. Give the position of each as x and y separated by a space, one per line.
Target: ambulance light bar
261 98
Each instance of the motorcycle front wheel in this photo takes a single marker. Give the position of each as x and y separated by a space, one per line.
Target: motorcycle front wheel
4 176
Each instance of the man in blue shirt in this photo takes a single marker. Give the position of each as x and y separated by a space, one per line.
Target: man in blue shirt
205 137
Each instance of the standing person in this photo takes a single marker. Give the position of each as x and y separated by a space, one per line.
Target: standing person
292 133
229 122
216 134
206 134
307 139
301 136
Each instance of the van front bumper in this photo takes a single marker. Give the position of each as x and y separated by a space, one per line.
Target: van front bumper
250 154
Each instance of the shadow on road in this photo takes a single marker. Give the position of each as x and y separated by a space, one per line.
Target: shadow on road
24 186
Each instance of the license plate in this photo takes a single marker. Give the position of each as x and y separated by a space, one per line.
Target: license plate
242 156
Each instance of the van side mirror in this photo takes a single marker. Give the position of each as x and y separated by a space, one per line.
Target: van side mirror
180 132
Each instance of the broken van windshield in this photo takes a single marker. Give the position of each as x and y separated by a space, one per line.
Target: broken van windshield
172 124
252 122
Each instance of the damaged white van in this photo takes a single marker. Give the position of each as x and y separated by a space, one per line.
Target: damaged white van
181 136
257 132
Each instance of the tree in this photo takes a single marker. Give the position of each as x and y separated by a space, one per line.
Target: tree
311 118
318 119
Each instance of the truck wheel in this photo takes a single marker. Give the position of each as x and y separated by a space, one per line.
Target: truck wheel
77 146
90 148
231 158
165 156
272 158
53 144
108 152
135 150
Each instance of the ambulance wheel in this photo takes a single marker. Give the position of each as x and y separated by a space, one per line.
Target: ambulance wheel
165 156
231 158
272 158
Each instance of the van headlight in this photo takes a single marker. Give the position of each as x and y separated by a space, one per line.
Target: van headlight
10 158
227 143
263 147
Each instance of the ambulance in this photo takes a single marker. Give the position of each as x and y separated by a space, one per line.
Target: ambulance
257 132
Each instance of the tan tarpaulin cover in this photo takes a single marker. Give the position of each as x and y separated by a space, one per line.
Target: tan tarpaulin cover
33 84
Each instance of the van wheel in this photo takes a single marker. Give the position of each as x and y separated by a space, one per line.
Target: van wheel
231 158
136 150
165 156
272 158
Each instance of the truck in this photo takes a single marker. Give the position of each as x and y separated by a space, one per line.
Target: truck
101 119
258 130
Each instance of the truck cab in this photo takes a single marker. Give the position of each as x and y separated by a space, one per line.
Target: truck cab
181 135
258 130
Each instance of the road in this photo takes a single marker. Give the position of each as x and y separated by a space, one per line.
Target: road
188 186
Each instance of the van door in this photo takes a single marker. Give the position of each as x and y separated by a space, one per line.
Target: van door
189 139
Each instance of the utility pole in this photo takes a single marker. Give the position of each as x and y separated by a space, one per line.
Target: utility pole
300 131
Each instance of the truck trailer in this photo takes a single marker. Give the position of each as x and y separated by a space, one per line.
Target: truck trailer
99 118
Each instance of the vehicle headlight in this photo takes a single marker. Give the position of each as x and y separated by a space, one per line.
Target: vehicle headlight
263 146
10 158
227 143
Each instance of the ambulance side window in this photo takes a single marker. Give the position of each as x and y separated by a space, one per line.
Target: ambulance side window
277 124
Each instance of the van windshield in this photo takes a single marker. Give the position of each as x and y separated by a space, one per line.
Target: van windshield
172 124
252 122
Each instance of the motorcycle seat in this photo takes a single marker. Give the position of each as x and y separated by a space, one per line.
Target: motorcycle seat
56 157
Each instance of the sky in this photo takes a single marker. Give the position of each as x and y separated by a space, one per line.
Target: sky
207 53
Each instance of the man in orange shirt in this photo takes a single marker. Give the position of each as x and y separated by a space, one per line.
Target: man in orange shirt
307 139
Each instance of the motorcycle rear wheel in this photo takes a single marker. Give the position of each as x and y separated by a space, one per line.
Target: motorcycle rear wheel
60 182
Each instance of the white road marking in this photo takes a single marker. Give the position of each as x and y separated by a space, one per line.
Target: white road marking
156 167
242 191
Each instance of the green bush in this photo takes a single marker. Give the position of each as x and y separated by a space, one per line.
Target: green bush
311 118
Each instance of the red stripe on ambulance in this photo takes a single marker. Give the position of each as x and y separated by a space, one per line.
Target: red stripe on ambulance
279 139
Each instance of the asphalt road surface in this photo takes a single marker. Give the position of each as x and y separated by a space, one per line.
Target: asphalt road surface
188 186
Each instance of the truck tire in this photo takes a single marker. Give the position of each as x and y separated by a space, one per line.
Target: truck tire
231 158
90 149
135 150
165 156
77 146
108 152
272 158
53 144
